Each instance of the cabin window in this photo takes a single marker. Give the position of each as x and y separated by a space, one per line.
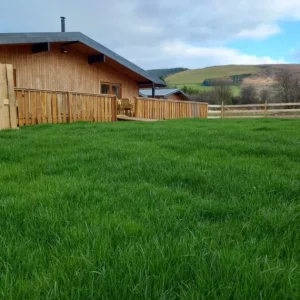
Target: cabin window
104 89
111 88
116 91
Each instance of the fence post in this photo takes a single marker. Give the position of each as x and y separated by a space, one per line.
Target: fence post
4 114
222 110
266 108
11 97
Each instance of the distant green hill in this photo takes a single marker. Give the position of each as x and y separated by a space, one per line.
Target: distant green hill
195 78
259 76
165 72
199 75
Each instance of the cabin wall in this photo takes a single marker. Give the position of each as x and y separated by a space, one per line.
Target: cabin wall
55 70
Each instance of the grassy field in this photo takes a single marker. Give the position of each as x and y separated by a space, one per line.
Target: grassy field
199 75
236 90
189 209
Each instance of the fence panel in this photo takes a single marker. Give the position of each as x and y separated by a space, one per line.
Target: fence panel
43 106
160 109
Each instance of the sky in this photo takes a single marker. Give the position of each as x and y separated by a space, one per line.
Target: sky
169 33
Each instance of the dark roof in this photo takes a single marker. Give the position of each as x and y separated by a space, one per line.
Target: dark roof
53 37
161 92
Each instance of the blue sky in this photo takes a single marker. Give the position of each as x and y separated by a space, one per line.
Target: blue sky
280 46
168 33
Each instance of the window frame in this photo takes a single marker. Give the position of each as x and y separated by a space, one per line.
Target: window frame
110 89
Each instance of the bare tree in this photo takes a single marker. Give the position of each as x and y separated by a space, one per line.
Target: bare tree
249 95
223 93
287 88
265 95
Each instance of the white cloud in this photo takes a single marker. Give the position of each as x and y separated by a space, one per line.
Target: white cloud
178 54
141 29
260 32
215 55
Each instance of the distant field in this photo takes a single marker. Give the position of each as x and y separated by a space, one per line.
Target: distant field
235 89
199 75
185 209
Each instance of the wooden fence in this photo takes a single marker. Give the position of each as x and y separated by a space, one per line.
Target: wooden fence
271 110
42 106
160 109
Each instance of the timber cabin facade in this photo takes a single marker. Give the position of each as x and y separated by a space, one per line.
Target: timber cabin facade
66 61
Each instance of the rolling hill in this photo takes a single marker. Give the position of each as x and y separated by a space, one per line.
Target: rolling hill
259 76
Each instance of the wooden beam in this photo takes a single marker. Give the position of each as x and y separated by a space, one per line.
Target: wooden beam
93 59
153 90
41 47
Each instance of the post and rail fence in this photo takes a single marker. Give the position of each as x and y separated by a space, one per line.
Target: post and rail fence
271 110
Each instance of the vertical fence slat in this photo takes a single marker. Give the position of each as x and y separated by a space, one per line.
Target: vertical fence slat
49 108
33 107
44 107
38 108
20 108
54 107
98 109
59 107
26 107
64 107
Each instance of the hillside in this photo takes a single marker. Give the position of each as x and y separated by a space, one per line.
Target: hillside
165 72
260 76
199 75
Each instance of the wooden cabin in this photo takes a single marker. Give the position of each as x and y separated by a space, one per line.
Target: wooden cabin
71 61
168 94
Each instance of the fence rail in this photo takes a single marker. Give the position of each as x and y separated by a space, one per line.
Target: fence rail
149 108
265 110
44 106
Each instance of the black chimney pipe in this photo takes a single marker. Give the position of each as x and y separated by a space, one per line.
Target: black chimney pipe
63 24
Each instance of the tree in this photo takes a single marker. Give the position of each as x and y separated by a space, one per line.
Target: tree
205 96
189 90
249 95
223 93
287 88
265 95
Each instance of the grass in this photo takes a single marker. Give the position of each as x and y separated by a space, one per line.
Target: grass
197 76
188 209
236 90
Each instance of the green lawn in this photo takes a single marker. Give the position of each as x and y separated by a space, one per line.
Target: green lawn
189 209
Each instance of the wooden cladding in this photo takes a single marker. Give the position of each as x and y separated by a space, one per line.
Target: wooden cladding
42 107
165 109
54 70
